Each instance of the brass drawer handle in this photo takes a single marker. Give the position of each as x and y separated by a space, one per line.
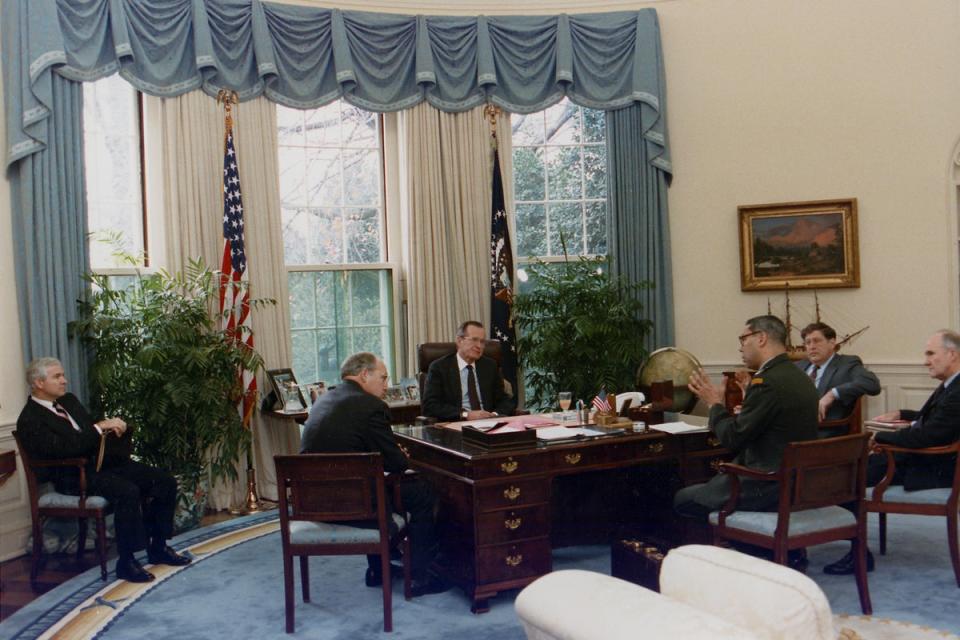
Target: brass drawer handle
572 458
513 561
713 441
656 447
512 523
403 448
511 492
509 466
715 464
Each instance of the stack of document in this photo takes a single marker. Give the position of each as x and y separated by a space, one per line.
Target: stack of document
566 433
679 427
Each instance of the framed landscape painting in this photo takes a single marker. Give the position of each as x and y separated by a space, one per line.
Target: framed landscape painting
800 245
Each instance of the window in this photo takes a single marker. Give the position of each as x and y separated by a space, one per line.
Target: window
114 175
331 196
559 176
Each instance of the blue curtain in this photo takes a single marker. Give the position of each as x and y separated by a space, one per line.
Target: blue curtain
638 234
49 235
305 57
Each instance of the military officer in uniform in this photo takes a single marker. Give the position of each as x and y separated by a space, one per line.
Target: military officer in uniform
780 406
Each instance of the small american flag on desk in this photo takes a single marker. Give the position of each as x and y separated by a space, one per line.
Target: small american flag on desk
600 402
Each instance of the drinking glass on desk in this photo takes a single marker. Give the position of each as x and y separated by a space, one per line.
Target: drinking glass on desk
566 397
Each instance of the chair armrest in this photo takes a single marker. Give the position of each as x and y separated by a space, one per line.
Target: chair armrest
890 449
393 482
422 421
735 471
65 462
747 472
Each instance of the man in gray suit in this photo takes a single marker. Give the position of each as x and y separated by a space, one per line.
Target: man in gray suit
840 380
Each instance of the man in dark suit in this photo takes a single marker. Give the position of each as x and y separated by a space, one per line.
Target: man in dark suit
353 418
780 406
466 385
54 425
937 423
840 379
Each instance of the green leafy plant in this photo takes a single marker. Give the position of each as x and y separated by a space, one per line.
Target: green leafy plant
580 331
163 364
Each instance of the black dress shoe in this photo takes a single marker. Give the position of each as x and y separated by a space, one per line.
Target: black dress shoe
797 560
428 585
130 570
167 555
844 566
374 578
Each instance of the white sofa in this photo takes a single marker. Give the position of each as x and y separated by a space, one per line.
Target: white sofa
706 593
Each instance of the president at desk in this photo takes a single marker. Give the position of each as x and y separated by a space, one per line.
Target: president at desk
466 385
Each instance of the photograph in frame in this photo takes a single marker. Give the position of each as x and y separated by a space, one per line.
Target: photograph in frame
799 245
289 396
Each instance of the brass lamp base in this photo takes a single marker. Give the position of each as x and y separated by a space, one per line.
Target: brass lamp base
252 503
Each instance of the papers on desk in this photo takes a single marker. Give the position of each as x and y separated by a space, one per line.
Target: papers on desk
679 427
568 433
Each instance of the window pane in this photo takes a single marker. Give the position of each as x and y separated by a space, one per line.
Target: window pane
114 181
531 230
559 178
566 218
350 311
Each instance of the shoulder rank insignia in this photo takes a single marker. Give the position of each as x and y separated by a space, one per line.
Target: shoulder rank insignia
757 380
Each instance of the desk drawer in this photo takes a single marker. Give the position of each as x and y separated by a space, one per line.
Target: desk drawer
697 442
512 494
509 465
587 455
513 524
512 561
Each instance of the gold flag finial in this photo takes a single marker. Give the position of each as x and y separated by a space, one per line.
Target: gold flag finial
492 112
228 98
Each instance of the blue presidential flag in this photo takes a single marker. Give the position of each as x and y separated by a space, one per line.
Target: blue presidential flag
501 280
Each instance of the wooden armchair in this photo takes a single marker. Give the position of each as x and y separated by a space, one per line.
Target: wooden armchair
944 502
50 504
852 423
816 477
323 499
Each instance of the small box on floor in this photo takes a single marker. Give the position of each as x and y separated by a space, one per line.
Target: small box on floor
638 561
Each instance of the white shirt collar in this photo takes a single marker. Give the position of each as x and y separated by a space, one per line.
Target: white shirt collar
461 363
44 403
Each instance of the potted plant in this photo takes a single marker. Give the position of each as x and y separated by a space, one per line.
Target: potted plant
161 362
580 330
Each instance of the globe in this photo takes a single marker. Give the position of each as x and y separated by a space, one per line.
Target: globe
670 363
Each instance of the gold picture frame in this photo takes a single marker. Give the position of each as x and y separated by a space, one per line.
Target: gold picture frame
289 396
800 245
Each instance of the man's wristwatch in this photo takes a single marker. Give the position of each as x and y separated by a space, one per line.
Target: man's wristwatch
463 414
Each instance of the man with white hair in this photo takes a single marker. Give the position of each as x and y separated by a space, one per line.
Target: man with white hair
936 423
54 425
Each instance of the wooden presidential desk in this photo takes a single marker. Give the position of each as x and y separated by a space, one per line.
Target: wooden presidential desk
494 519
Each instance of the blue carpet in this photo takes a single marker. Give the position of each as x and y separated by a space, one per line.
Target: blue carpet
238 593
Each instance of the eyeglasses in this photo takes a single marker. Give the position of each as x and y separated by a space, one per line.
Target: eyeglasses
747 335
480 341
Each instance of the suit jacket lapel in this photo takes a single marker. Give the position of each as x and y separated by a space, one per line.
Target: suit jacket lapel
931 402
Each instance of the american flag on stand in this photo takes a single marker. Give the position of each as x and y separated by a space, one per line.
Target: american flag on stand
600 402
235 298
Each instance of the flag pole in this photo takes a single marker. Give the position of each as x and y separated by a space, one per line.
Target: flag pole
251 503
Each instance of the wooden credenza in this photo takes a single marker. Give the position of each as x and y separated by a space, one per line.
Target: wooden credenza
495 506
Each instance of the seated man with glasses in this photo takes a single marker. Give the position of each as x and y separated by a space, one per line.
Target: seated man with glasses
466 385
780 406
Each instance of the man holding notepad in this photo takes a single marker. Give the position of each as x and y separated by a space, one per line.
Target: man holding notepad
54 425
936 423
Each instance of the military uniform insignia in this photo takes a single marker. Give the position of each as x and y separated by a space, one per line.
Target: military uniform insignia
757 380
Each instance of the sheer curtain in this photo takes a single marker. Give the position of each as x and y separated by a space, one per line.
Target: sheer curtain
193 130
446 184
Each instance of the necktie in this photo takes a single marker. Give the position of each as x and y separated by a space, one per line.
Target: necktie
472 388
62 413
813 373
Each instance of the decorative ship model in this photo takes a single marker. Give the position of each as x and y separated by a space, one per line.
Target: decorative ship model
799 352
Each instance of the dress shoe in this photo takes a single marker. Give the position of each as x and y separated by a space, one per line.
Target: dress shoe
374 577
167 555
130 570
427 585
844 566
797 560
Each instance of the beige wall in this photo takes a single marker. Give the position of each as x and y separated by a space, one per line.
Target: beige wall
768 101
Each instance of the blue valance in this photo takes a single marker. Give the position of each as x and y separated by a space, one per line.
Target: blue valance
305 57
